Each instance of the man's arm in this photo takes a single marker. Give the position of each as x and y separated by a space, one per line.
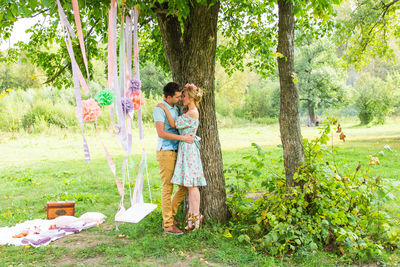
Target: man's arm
188 138
167 114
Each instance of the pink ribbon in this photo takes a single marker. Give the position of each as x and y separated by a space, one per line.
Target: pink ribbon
75 7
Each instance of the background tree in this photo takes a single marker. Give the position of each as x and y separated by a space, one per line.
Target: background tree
153 78
230 89
374 98
320 78
19 75
262 99
368 30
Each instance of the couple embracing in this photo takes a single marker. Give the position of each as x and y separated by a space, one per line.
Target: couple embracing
178 154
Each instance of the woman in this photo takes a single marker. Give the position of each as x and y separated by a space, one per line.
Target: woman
188 169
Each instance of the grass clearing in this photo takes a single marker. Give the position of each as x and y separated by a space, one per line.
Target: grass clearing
35 169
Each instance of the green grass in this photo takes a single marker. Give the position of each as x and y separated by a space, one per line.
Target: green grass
35 169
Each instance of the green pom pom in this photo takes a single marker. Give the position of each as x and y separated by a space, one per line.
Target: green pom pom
105 97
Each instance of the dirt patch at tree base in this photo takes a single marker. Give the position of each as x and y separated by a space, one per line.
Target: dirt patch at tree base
70 261
82 240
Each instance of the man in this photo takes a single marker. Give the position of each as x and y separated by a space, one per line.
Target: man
167 148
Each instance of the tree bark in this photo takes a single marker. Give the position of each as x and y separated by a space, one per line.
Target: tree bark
289 119
191 58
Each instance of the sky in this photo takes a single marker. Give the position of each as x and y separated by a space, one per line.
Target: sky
18 33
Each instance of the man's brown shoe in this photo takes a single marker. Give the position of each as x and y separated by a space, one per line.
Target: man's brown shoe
175 223
172 230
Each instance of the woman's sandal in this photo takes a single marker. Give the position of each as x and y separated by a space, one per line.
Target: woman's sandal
197 221
189 226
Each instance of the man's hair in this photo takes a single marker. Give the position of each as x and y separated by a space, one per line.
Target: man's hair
171 88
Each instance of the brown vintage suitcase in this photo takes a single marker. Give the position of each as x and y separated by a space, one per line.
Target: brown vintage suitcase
59 208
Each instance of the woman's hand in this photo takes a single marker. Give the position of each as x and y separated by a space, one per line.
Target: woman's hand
161 105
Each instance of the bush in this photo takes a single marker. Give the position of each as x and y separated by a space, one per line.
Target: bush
10 114
374 100
37 110
43 111
333 208
260 103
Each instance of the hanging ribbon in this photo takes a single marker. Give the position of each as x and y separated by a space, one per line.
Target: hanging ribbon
136 65
138 190
120 87
110 163
78 23
113 85
111 44
112 58
64 22
118 90
68 31
128 75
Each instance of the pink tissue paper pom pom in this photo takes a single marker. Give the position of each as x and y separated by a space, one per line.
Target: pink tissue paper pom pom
90 110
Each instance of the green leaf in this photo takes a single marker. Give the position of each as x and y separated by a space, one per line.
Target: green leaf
341 238
244 238
313 246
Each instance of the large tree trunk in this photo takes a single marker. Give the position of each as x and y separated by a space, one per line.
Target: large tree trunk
191 58
289 119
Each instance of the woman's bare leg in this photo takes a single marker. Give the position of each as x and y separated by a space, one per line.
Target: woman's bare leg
194 200
194 206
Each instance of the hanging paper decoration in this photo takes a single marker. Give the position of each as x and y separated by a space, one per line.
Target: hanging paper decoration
91 110
137 99
77 76
75 7
105 97
134 85
127 105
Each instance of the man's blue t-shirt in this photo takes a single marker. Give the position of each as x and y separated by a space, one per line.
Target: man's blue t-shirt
159 116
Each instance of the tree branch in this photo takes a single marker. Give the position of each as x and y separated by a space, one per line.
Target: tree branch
160 11
391 4
69 63
35 15
146 21
385 9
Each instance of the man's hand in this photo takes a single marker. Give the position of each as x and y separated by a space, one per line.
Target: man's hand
188 138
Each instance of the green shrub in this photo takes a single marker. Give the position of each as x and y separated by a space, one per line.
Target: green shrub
104 120
10 114
261 102
374 101
44 112
336 208
266 120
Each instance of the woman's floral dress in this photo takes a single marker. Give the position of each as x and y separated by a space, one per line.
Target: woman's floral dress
188 169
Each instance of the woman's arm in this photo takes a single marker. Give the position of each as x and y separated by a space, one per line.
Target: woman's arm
168 114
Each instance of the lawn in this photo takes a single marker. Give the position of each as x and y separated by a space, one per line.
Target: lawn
39 168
